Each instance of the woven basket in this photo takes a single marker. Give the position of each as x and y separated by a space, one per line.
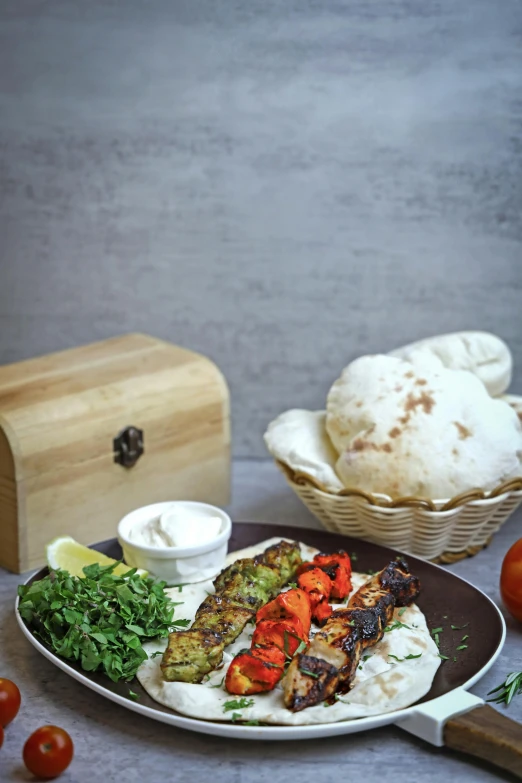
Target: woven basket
441 531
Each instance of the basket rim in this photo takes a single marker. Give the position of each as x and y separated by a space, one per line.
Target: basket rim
301 478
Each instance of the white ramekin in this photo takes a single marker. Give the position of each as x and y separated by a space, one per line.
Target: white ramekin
175 565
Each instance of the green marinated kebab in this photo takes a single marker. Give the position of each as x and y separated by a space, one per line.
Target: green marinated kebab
241 589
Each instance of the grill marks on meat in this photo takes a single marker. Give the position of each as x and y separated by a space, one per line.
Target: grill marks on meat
330 663
241 589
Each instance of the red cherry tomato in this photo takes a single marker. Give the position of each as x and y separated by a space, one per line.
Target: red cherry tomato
9 701
511 580
48 752
1 736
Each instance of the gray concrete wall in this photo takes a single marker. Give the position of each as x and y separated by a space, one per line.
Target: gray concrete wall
281 185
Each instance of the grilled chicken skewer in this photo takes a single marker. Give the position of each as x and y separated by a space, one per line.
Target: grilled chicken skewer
330 663
241 589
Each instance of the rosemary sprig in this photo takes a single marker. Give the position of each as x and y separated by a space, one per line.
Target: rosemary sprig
511 687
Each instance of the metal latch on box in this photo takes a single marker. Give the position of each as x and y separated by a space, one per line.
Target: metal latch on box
128 446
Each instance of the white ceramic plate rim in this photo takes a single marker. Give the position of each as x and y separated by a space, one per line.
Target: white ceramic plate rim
238 731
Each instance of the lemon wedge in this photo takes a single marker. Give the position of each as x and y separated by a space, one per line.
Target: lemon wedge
66 553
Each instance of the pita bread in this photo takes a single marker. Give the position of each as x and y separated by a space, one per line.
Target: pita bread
432 432
481 353
298 438
383 683
515 401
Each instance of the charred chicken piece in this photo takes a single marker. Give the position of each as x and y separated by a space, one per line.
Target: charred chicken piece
255 671
191 654
285 557
286 635
318 586
338 568
244 587
346 635
220 614
293 603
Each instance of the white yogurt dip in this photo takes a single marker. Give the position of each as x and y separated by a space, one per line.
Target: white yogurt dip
180 525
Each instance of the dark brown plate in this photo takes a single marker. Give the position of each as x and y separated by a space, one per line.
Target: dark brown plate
445 599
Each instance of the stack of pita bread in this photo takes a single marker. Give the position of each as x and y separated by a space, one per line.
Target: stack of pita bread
429 419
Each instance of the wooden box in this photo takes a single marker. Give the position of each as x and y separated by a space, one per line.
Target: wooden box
63 439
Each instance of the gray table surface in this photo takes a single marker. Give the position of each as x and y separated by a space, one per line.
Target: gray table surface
115 744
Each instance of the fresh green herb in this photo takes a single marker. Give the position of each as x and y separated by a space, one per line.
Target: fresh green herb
365 658
394 656
459 627
100 619
401 611
155 654
461 647
444 657
455 659
511 687
180 587
219 684
250 635
286 644
395 625
251 723
235 717
134 696
309 673
237 704
337 697
435 633
351 622
411 656
292 585
180 623
353 556
465 637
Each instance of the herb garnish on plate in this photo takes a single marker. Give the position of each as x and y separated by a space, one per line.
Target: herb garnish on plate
100 619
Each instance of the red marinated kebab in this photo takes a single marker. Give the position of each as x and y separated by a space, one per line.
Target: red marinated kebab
330 663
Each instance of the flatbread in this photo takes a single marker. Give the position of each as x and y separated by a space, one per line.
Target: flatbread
298 438
382 684
481 353
402 429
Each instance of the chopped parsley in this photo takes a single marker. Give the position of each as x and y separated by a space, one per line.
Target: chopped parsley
395 625
237 704
462 647
99 620
219 684
309 673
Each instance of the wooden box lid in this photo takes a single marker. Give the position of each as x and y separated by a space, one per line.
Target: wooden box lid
60 414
